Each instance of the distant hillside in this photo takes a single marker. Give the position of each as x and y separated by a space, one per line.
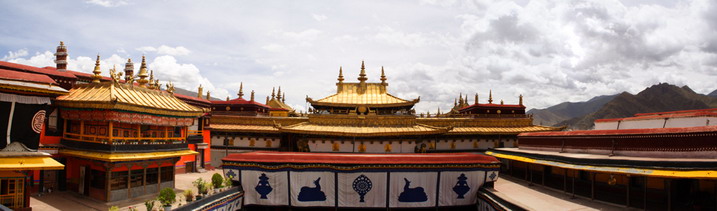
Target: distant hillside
191 93
568 110
713 93
657 98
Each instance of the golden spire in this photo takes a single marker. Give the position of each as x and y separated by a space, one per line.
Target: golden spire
151 79
520 99
341 74
143 74
129 72
241 90
490 97
460 98
475 101
283 98
273 94
209 95
200 90
501 102
267 100
455 103
362 76
383 76
252 96
278 94
96 78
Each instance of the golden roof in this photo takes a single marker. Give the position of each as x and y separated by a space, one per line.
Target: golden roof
244 128
353 94
499 130
117 96
29 163
125 156
342 130
276 103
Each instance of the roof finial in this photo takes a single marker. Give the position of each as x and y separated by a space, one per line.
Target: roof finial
383 76
96 78
278 94
490 97
143 73
267 100
200 90
501 102
129 72
460 98
170 87
151 79
283 98
341 74
273 94
362 76
520 99
475 101
241 90
252 96
61 57
209 95
455 103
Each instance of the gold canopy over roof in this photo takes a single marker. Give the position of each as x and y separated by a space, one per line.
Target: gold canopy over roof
117 96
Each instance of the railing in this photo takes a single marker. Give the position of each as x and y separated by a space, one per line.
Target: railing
123 140
194 132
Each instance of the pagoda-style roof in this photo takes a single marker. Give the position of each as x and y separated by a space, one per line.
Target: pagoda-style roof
351 95
362 94
362 126
126 97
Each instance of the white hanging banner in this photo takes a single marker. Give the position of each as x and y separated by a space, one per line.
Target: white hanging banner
413 189
491 176
459 187
362 189
265 188
313 188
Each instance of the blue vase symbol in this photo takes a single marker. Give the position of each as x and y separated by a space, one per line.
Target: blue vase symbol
312 194
263 188
461 187
412 194
362 185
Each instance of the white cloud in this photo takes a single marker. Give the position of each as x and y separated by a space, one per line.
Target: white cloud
15 54
165 50
319 17
107 3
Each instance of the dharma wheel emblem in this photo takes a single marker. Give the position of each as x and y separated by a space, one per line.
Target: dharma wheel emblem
362 185
37 121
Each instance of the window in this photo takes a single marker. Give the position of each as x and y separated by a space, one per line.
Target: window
97 179
167 173
137 178
152 176
118 180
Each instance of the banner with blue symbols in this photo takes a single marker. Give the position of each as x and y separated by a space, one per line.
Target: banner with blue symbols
362 189
313 189
460 187
413 189
265 188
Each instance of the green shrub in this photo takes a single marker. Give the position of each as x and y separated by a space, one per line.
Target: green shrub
228 182
114 208
217 180
201 185
149 204
167 197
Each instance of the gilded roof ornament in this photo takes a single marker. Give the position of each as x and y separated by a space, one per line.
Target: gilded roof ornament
267 100
209 95
96 78
200 90
341 74
278 94
252 96
116 76
151 79
362 76
170 87
143 73
490 96
273 94
501 102
475 101
283 98
520 99
129 72
241 90
383 77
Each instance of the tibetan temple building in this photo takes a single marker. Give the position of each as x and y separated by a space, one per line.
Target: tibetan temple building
652 161
365 136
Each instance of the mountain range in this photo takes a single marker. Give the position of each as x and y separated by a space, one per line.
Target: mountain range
657 98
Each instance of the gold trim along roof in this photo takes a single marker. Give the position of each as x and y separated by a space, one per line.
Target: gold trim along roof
116 96
116 157
351 95
499 130
342 130
30 163
244 128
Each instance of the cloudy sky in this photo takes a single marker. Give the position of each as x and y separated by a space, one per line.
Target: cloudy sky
549 51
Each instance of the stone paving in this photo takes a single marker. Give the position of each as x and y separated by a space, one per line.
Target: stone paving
72 201
537 197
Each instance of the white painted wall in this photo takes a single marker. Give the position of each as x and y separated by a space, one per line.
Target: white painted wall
657 123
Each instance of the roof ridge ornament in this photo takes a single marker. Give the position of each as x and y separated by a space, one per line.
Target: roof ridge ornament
200 90
362 76
170 87
96 78
116 76
252 96
383 77
278 94
490 97
241 90
520 99
143 73
273 94
129 71
341 74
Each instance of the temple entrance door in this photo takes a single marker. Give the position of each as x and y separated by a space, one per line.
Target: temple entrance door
81 188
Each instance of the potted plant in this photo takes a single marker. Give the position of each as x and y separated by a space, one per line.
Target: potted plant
167 197
217 181
149 204
114 208
201 187
228 182
206 188
188 195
